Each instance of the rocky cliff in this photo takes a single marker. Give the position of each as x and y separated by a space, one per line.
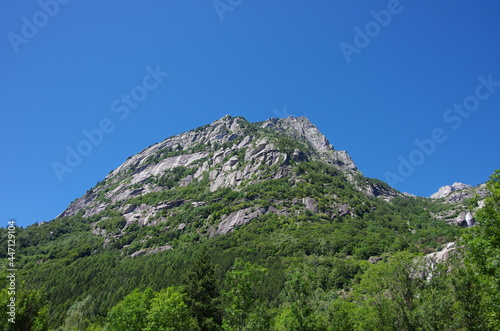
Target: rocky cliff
457 197
228 153
446 190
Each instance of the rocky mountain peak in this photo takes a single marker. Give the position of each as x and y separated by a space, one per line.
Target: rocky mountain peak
446 190
302 129
228 153
230 122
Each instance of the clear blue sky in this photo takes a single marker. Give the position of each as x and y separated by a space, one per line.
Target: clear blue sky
64 69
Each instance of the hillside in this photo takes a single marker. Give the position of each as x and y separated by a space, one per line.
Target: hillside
267 208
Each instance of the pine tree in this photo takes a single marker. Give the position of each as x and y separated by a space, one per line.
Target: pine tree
203 295
240 295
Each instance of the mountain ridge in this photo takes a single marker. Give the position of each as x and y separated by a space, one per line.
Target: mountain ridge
234 153
211 140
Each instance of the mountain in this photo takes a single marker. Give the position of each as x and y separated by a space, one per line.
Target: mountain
229 153
444 191
274 197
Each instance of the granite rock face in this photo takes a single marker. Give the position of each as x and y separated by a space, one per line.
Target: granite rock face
243 216
228 152
180 186
444 191
458 196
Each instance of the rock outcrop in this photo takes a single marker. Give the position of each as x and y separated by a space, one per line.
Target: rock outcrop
228 152
243 216
460 196
446 190
464 219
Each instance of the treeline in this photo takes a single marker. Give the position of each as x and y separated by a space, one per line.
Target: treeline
403 292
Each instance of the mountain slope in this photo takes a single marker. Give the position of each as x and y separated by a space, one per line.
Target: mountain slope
274 192
229 153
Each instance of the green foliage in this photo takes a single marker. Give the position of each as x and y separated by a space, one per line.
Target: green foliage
297 311
470 300
79 315
203 293
169 312
387 295
484 243
288 145
31 312
130 313
241 294
315 266
483 249
113 224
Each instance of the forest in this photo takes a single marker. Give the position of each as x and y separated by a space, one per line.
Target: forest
365 271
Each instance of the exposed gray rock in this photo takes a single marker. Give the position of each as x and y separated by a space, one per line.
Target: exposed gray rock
461 195
169 204
424 267
303 130
442 255
143 213
97 208
186 181
198 203
128 209
166 164
225 164
444 191
230 175
460 213
379 191
375 259
310 204
240 217
147 251
298 155
342 160
460 220
243 216
342 210
464 219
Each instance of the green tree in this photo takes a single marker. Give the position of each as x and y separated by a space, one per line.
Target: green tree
286 319
79 315
241 293
469 305
435 295
387 295
484 241
130 313
203 295
169 312
31 310
339 315
297 311
483 251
